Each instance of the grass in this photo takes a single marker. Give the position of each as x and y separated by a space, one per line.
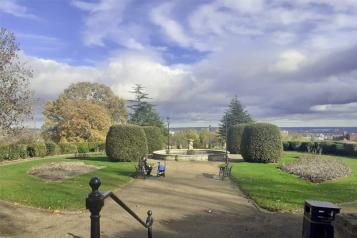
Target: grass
17 186
276 190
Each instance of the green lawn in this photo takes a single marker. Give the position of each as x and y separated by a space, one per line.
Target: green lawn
274 189
17 186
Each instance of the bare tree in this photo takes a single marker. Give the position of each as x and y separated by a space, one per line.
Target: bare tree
15 93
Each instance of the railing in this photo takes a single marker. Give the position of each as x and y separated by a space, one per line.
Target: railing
95 203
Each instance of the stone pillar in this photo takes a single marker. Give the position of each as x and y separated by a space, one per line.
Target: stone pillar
190 144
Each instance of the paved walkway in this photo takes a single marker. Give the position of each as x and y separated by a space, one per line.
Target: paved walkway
189 202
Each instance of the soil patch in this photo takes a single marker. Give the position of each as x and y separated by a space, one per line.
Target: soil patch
61 171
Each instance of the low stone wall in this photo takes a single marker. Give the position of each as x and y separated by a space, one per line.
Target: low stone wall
197 155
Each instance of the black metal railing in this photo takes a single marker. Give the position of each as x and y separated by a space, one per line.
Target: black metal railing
95 203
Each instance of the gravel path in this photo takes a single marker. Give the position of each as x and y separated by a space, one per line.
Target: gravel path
189 202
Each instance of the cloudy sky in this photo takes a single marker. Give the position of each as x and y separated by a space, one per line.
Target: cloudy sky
293 63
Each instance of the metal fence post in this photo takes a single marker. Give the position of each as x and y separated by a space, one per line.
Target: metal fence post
94 203
149 222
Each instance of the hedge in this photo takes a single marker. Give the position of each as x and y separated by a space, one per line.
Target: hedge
234 138
68 148
52 148
126 143
22 151
327 147
37 150
154 138
12 152
261 142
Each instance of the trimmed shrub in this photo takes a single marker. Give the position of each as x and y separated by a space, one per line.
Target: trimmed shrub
126 143
328 147
96 146
68 148
52 148
153 138
234 138
350 149
12 152
261 142
295 145
286 145
82 147
37 150
306 146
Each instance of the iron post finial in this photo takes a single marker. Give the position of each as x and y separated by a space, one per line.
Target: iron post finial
149 219
95 183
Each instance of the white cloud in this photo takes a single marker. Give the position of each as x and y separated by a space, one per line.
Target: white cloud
289 61
12 7
335 108
161 16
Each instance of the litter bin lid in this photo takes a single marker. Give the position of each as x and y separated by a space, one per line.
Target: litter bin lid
321 204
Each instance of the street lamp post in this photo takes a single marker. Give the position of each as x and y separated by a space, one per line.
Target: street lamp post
227 159
168 135
209 136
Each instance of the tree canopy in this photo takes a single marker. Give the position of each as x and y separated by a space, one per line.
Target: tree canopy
83 112
15 93
100 94
76 121
143 112
233 116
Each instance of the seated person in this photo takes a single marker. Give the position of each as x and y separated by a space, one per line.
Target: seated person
147 167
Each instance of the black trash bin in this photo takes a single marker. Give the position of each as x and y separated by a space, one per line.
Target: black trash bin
318 217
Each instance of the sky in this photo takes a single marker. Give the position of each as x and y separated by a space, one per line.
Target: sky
291 63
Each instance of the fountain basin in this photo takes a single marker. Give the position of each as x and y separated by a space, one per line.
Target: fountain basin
190 155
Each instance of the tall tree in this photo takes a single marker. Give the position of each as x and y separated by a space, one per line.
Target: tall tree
143 113
75 121
100 94
233 116
83 112
15 93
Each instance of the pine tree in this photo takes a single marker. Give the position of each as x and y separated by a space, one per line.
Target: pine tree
142 112
233 116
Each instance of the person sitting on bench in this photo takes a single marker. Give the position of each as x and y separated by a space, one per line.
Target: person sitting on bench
147 167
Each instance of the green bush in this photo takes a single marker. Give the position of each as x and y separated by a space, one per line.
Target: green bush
286 145
68 148
12 152
350 149
306 146
153 138
327 147
126 143
295 145
234 138
37 150
52 148
96 146
261 142
82 147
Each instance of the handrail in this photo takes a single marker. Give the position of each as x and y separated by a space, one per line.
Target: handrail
95 203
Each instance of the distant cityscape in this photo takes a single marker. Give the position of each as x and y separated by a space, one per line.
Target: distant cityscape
305 133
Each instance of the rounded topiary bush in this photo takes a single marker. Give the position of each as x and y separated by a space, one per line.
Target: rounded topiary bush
234 138
261 142
126 143
153 138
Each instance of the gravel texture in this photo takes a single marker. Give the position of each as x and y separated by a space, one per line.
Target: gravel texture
317 170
